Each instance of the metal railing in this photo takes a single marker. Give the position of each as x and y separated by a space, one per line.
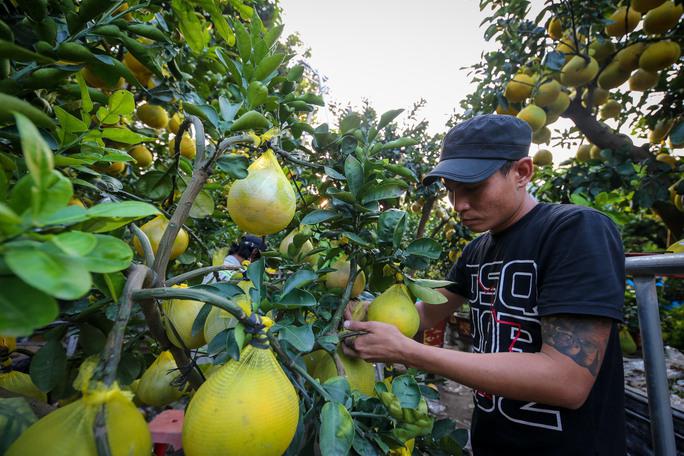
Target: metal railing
643 269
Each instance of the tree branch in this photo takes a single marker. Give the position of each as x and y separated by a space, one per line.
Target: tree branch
425 216
198 272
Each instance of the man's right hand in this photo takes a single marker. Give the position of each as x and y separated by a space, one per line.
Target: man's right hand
356 310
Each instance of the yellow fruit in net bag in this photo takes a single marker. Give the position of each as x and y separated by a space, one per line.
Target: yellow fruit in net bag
68 431
21 383
263 202
85 373
248 407
180 314
155 386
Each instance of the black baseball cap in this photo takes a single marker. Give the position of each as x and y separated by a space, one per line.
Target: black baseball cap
253 242
473 150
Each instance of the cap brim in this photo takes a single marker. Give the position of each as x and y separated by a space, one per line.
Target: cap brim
466 170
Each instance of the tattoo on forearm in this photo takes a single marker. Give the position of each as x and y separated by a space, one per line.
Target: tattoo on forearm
581 339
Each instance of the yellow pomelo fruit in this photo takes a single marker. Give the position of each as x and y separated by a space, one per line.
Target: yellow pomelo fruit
612 76
578 71
219 319
678 201
519 88
642 80
155 384
68 431
534 116
543 157
667 158
595 152
644 6
359 373
627 344
174 123
154 229
138 69
113 169
187 147
305 248
598 96
547 93
628 58
340 277
583 153
624 21
143 156
181 313
677 247
560 104
9 343
511 110
542 136
94 79
21 383
610 110
263 202
247 408
395 306
601 50
153 116
662 18
554 28
659 55
567 44
660 131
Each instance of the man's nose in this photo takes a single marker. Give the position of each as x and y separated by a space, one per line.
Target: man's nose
459 202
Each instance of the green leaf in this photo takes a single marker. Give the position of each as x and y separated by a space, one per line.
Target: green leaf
37 154
388 117
338 388
110 255
255 273
273 34
677 134
54 197
243 41
86 101
353 171
109 216
382 191
295 73
267 66
312 98
251 120
391 226
68 122
336 431
300 337
425 247
200 320
349 122
427 295
58 275
7 215
75 243
16 416
91 339
155 185
295 299
407 391
234 165
220 22
432 283
48 365
399 143
23 308
121 103
203 206
299 279
356 239
66 216
195 33
124 135
330 172
319 215
111 285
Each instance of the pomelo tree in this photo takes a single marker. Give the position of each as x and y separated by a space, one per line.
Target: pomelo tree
613 70
138 140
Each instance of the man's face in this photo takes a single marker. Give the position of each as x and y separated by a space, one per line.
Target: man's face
491 204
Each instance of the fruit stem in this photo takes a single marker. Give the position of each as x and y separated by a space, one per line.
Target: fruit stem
198 272
145 242
339 312
297 368
112 351
100 433
197 295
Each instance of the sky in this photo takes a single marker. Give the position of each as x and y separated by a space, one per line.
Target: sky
393 53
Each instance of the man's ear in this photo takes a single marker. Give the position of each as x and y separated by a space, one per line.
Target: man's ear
524 170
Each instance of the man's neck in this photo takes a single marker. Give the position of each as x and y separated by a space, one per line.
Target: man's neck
523 209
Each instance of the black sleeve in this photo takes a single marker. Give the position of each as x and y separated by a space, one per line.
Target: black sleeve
583 267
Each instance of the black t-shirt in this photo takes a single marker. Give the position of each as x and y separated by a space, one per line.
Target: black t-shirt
557 259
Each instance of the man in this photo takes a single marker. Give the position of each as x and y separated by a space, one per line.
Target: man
249 248
545 285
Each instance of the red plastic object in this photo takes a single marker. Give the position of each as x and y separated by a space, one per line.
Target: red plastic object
166 429
435 336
